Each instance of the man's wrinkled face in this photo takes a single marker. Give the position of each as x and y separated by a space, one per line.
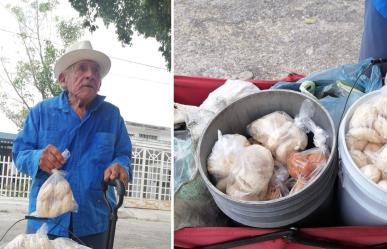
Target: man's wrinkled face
82 80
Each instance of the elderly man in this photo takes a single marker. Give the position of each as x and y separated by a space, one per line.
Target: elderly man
91 129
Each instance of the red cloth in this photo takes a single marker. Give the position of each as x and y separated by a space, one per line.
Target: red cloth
205 236
193 90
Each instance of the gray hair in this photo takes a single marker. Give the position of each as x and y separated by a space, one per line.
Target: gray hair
66 72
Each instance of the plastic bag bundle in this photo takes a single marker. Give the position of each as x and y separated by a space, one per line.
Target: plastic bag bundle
297 184
227 93
195 119
194 206
250 176
304 121
184 164
223 155
277 185
302 164
305 165
278 132
39 240
55 197
342 79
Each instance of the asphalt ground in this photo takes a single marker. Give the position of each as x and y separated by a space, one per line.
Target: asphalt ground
265 39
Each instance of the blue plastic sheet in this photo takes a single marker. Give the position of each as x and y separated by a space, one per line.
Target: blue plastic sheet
332 85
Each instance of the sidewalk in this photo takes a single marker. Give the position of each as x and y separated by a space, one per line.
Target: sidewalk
136 228
145 214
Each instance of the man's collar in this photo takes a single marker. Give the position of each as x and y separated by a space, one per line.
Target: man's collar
64 104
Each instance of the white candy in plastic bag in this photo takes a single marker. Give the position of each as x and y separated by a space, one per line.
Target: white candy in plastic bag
224 153
278 132
55 197
39 240
250 176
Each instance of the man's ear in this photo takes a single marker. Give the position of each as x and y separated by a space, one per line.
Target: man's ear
62 81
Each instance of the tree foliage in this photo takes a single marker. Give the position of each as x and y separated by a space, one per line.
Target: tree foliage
148 17
30 77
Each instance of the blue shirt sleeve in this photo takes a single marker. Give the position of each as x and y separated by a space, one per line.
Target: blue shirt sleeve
123 148
25 152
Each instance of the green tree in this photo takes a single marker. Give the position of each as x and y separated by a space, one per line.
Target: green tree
148 17
31 77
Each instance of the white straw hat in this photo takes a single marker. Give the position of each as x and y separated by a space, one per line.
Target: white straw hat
82 51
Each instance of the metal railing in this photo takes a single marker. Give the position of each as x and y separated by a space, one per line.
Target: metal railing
151 177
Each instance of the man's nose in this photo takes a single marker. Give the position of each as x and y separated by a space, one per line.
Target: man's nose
90 74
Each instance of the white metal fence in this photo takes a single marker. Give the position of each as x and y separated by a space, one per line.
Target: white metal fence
151 177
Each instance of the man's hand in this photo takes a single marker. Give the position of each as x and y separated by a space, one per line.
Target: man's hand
116 171
50 159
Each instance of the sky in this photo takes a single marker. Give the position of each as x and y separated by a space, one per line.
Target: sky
138 81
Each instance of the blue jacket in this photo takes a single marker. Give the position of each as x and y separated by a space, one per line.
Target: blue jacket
95 142
381 7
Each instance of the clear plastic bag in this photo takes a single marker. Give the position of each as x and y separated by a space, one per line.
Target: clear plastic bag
55 197
297 184
39 240
194 206
302 164
227 93
250 176
196 120
223 155
304 121
277 185
278 132
184 164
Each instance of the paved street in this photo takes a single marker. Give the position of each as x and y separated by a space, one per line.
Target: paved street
136 228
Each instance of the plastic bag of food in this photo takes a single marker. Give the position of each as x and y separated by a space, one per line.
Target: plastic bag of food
278 132
39 240
223 155
55 196
66 243
304 120
302 164
250 176
297 184
277 185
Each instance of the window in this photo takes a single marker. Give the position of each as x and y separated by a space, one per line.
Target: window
146 136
